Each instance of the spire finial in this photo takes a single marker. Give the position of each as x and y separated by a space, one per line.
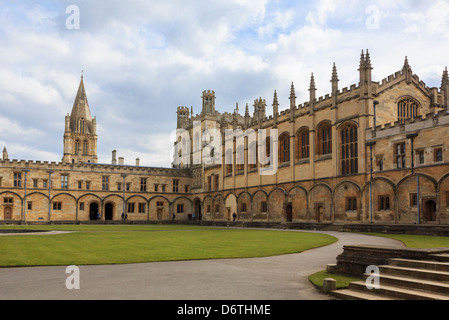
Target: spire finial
334 74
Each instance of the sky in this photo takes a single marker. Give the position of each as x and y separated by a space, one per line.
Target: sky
141 59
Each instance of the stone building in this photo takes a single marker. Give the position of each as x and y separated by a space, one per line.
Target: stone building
375 152
80 189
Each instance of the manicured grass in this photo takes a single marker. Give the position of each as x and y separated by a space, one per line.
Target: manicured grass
342 281
118 244
417 241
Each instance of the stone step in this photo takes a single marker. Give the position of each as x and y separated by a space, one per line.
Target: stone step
415 273
421 264
442 257
413 283
348 294
395 292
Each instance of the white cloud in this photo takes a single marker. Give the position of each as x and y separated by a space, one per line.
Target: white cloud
143 59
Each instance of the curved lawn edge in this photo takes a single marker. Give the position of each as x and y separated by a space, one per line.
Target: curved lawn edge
125 247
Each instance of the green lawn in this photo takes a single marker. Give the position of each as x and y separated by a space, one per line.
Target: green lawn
417 241
117 244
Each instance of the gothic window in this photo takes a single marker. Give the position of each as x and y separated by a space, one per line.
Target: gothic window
349 150
407 109
302 144
77 147
82 124
284 148
85 148
324 145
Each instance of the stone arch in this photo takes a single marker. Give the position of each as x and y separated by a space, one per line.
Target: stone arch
320 203
347 201
113 207
13 209
87 199
297 198
260 205
443 199
219 207
68 207
383 200
185 208
407 200
39 206
208 204
276 202
244 210
159 208
230 206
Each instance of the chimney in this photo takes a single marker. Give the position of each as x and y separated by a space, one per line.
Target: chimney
137 162
121 161
114 157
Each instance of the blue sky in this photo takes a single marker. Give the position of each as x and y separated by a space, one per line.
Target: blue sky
143 59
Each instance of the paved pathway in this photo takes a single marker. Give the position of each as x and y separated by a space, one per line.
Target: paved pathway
272 278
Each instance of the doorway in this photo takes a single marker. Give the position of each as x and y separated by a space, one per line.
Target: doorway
319 213
430 209
109 212
289 213
8 213
93 211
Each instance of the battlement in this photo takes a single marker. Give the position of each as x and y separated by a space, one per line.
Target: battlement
19 165
208 93
183 110
421 122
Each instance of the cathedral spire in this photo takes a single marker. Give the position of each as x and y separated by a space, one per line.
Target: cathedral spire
80 136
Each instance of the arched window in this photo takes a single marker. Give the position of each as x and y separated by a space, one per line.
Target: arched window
324 145
77 147
82 125
85 148
349 150
284 148
408 108
302 144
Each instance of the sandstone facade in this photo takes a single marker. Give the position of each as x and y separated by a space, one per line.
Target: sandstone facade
375 152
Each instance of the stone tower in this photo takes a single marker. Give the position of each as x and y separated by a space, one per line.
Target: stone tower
80 135
208 103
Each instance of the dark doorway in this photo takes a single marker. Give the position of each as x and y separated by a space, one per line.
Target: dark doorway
289 213
8 213
93 211
109 211
430 209
319 214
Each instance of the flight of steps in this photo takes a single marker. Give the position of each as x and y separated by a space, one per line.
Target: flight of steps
404 279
